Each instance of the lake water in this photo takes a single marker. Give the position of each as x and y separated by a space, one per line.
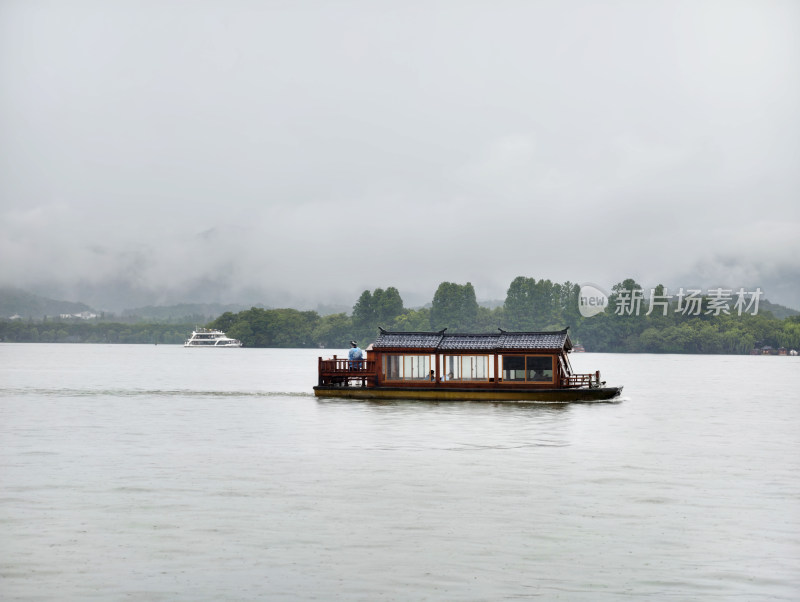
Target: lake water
163 473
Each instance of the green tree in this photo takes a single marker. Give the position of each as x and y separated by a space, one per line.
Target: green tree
520 304
225 322
532 305
789 336
489 320
387 305
568 302
622 300
413 320
258 327
373 309
364 314
652 341
454 307
240 330
333 331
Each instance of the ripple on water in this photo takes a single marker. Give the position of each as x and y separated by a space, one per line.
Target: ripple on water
175 477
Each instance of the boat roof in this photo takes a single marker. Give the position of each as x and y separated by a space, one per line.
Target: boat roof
499 341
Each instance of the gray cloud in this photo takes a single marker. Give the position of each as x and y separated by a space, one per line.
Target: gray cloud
301 152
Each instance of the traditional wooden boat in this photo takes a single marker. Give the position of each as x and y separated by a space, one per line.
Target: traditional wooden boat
502 366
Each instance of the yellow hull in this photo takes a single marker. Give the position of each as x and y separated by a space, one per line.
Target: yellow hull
545 395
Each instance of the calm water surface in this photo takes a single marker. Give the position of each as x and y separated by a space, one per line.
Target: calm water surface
162 473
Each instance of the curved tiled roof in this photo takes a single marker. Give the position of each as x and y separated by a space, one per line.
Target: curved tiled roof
503 340
414 340
469 341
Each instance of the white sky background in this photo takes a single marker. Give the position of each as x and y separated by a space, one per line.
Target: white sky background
300 152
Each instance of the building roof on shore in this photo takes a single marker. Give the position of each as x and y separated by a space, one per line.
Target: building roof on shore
499 341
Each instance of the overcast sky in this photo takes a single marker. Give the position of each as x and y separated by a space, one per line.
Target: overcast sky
299 152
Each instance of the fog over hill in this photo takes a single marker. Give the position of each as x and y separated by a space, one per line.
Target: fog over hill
295 154
16 302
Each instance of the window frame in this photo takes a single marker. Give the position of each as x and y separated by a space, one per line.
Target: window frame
403 360
488 366
526 380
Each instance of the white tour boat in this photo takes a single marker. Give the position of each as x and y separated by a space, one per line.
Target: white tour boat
206 337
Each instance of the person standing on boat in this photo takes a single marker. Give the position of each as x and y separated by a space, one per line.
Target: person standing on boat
355 355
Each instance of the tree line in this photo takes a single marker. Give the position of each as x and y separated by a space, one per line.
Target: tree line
668 328
84 331
529 305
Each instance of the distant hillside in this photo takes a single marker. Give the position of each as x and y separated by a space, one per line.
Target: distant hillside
182 313
325 309
17 302
778 311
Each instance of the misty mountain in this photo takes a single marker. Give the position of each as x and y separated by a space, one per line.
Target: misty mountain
778 311
182 312
14 301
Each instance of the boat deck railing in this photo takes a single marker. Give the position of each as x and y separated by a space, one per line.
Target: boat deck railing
581 380
346 373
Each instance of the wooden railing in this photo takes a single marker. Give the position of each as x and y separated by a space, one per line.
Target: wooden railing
581 380
345 372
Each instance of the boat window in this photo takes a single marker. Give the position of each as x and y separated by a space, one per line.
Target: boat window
452 367
540 368
406 367
392 366
513 367
416 367
531 368
467 367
